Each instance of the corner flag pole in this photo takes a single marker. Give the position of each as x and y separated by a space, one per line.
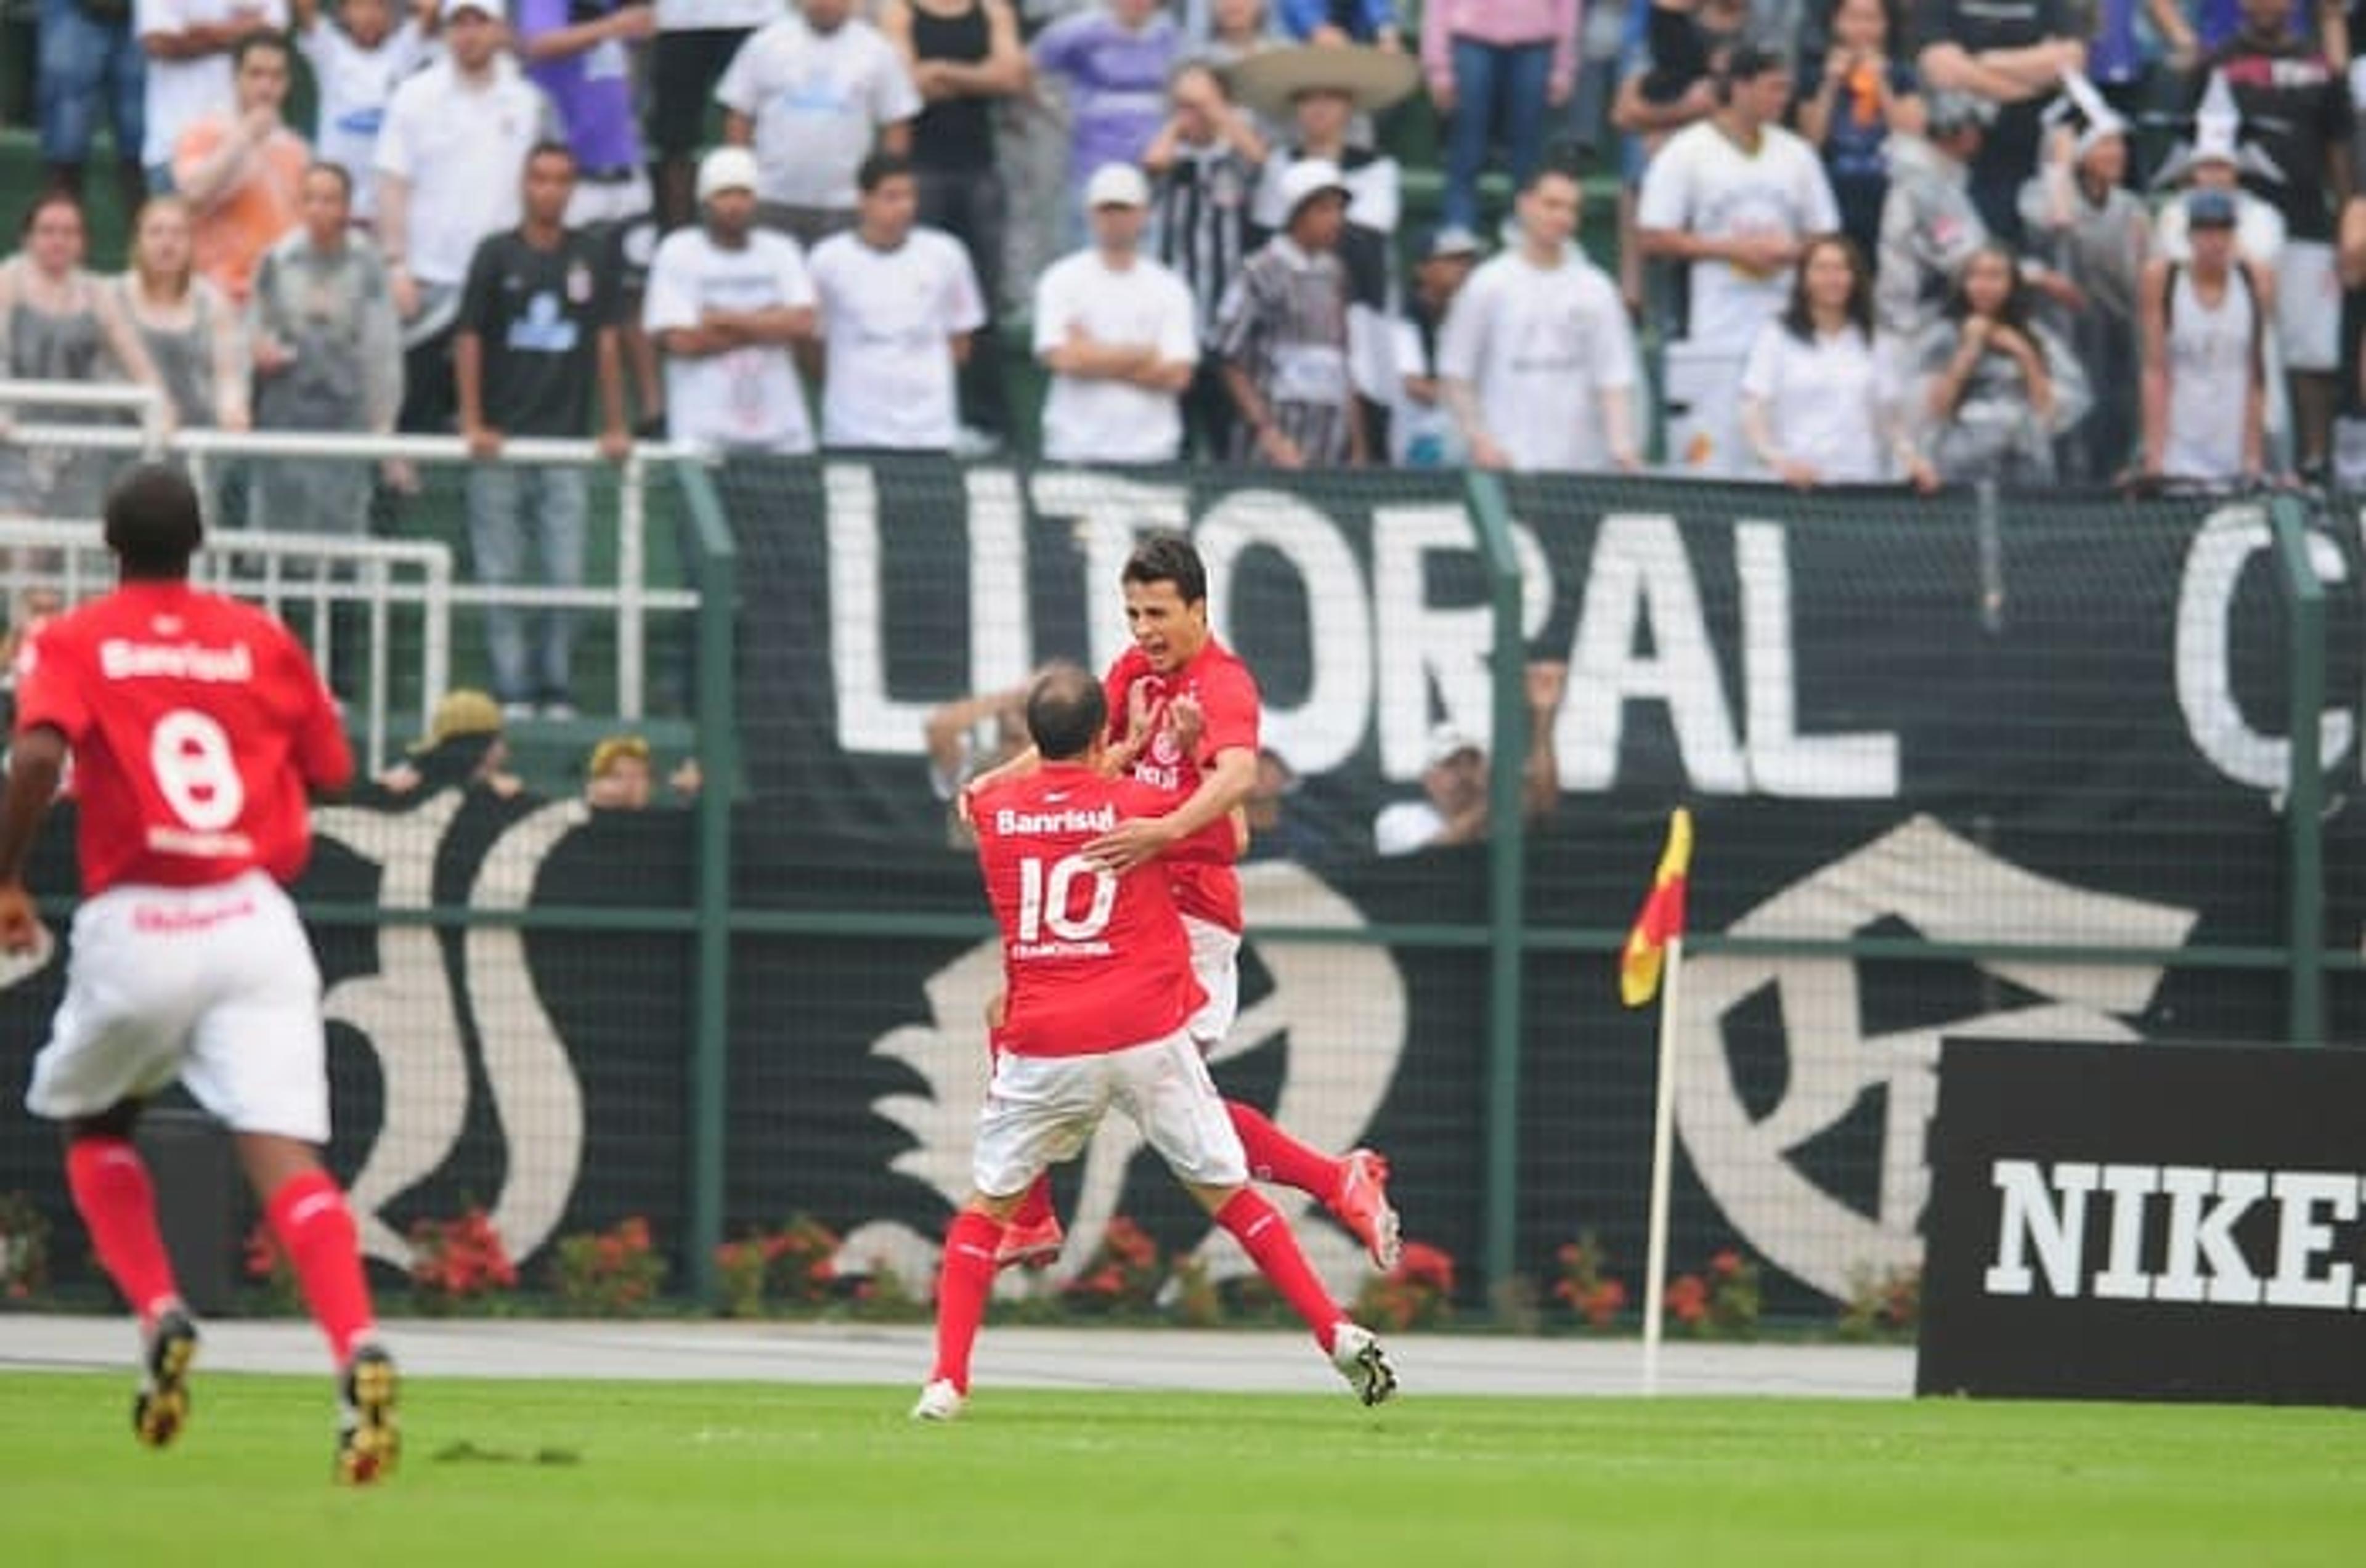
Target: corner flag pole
1663 1138
1653 958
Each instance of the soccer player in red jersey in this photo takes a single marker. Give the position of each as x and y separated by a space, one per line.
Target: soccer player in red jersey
199 729
1099 977
1176 676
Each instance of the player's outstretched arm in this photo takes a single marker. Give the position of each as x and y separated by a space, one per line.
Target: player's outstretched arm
1223 786
35 763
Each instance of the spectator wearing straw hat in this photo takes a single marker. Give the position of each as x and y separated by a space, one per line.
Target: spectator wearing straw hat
465 747
1116 330
617 776
1283 332
1320 91
728 302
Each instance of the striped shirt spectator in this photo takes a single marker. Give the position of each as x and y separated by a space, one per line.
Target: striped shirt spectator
1283 334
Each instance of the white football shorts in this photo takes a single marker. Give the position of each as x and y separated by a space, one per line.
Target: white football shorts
215 986
1215 962
1040 1110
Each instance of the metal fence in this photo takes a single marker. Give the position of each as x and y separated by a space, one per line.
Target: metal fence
2050 765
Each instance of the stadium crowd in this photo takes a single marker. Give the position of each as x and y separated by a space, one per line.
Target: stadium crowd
763 226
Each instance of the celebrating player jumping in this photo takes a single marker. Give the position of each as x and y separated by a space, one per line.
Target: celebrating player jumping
197 729
1101 997
1177 673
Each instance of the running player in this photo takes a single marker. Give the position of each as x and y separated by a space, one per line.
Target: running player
1178 676
1098 975
197 727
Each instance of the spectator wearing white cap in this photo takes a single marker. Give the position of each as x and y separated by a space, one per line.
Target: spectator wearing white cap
1453 808
451 159
1537 361
1115 329
1423 432
814 93
188 43
898 303
1283 334
728 302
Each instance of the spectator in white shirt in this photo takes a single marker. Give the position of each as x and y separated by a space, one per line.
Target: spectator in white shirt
1536 360
814 94
1818 406
451 160
695 44
1736 197
358 58
1453 808
728 302
1116 330
899 304
187 44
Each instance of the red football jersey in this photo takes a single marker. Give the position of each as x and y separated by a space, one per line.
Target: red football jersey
1206 888
196 724
1092 962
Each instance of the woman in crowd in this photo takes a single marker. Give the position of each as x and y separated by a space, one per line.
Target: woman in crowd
2000 387
59 322
1861 90
190 331
1816 406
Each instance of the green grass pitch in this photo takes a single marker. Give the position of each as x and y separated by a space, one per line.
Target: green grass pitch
728 1475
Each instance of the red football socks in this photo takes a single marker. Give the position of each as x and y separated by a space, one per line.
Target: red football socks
1275 1156
1267 1237
316 1230
962 1288
1036 1207
117 1204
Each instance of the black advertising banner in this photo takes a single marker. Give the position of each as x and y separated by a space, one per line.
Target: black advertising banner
2064 728
2175 1223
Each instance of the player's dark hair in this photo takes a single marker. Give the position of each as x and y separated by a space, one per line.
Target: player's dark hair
549 147
879 168
1066 710
1167 557
153 524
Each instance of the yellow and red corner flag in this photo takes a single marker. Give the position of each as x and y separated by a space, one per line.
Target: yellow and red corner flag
1663 917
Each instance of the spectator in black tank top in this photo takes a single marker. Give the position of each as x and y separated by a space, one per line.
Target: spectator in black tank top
963 54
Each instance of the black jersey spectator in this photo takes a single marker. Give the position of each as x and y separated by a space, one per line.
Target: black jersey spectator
537 329
2012 53
964 56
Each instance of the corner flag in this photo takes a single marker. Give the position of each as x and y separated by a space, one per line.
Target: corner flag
1661 918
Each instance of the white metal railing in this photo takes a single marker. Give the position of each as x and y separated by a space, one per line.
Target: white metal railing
78 567
631 600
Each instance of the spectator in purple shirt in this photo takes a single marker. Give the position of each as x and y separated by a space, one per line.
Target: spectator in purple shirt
1114 60
580 53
